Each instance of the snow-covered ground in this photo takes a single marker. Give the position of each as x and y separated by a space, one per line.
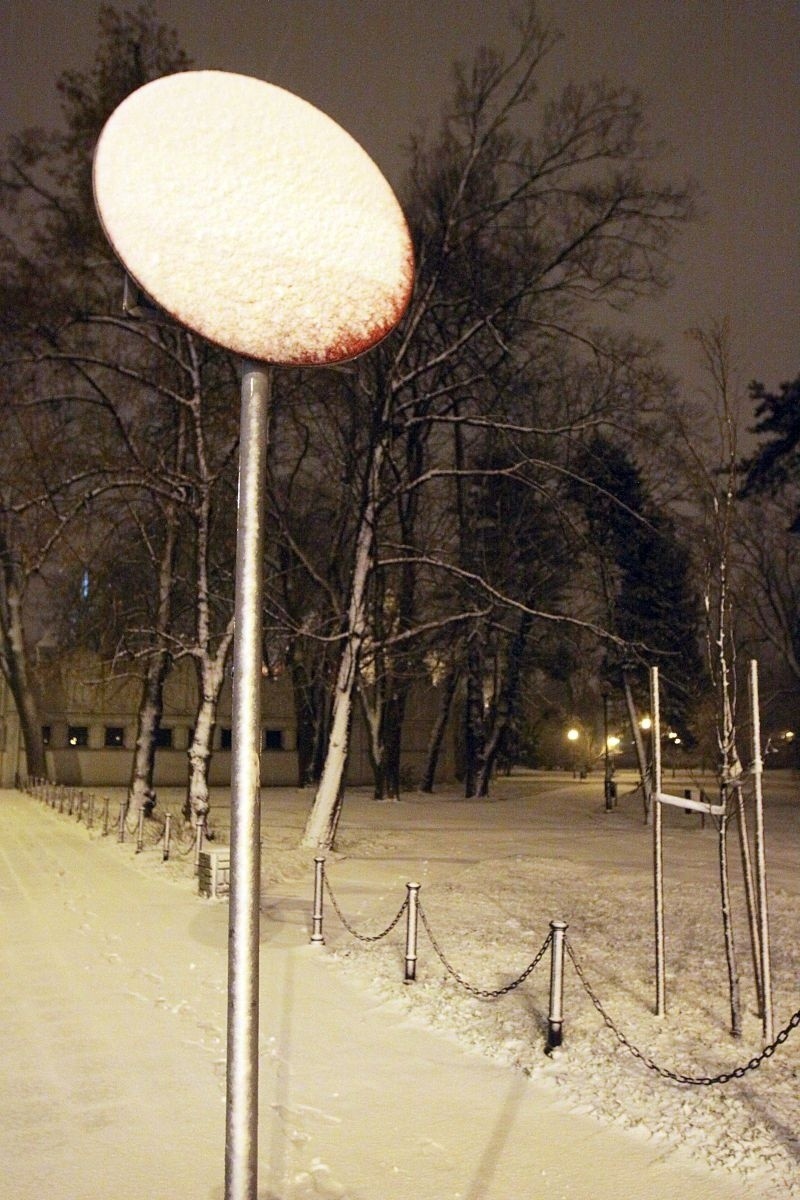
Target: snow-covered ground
112 1013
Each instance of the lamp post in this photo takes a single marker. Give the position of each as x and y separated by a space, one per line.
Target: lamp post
646 726
607 789
573 735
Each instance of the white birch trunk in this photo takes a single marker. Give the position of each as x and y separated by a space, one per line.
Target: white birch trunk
211 677
321 824
141 790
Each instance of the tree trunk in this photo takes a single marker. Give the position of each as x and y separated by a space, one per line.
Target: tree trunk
473 731
727 925
321 824
393 740
506 705
438 731
641 757
14 662
211 675
306 720
323 818
199 752
141 789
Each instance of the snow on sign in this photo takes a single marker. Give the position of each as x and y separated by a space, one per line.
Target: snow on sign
252 218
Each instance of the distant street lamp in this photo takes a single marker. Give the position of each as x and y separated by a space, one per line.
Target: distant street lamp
608 788
573 736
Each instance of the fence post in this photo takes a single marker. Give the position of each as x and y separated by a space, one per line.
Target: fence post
555 1018
121 822
167 834
411 932
90 811
319 875
105 816
140 832
79 809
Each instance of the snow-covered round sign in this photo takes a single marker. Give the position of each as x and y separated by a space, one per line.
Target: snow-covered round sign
252 218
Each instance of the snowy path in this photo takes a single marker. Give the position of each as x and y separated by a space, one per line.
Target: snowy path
112 1040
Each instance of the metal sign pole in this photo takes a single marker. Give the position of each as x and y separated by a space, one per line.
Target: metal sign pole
241 1130
761 863
658 859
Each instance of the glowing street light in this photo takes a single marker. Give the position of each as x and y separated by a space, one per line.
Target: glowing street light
573 737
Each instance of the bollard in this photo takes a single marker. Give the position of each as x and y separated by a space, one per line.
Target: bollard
411 932
61 799
90 811
105 816
140 832
121 822
79 807
319 875
167 834
556 1016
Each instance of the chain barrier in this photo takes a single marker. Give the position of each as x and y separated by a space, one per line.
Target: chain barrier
362 937
191 845
664 1072
482 993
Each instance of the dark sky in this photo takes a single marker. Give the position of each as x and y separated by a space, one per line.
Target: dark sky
721 78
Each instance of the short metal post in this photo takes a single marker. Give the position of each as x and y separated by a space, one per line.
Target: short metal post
555 1018
90 811
319 876
61 799
140 832
411 932
167 834
79 807
105 816
121 822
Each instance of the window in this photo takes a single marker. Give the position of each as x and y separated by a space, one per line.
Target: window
115 735
164 738
46 735
225 738
77 735
273 739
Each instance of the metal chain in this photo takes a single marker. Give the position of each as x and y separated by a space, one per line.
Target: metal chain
483 993
676 1076
361 936
176 840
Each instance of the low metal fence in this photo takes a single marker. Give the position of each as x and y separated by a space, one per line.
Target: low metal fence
561 950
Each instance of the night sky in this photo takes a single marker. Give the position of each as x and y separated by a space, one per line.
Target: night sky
721 78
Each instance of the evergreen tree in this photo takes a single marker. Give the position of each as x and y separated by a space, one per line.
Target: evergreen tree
776 463
646 574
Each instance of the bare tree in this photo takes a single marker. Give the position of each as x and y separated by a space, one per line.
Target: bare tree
516 235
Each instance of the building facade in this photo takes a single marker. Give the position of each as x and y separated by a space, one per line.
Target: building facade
89 715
